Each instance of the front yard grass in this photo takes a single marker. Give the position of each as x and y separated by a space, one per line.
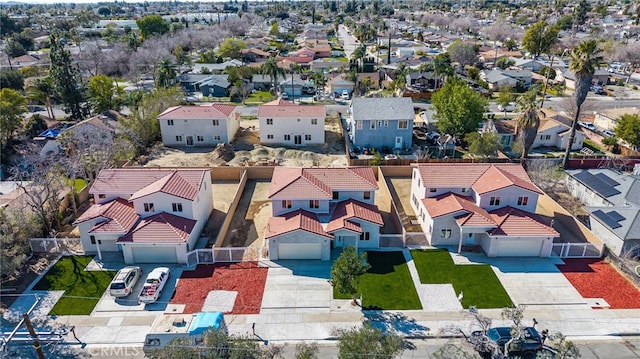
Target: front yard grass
82 289
387 284
478 282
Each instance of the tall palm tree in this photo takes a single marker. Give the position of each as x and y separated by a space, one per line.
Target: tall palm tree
166 73
527 122
270 68
584 59
42 91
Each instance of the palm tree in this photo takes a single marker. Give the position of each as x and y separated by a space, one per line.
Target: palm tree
42 91
584 59
528 121
270 68
358 54
166 73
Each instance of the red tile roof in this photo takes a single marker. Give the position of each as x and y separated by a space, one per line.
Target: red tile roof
515 222
160 228
279 102
445 175
119 216
173 184
451 203
215 111
296 59
288 110
132 180
298 219
350 209
319 183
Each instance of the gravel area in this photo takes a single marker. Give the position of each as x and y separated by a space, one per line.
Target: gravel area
220 301
438 298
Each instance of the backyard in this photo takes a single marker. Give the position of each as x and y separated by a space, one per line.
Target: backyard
478 282
82 288
387 284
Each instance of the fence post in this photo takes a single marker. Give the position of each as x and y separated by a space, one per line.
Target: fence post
584 249
229 254
55 242
565 250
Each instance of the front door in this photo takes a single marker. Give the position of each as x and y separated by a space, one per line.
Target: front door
398 142
470 239
297 139
189 140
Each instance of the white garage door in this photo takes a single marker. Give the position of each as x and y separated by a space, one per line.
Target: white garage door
519 248
154 254
299 251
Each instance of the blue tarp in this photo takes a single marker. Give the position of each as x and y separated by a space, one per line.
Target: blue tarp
50 133
204 321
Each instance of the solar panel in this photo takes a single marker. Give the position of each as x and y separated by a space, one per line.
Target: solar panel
616 216
606 179
597 184
608 221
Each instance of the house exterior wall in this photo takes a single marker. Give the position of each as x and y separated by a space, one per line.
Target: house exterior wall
292 126
382 134
203 132
604 122
214 90
345 237
552 138
299 236
278 209
162 202
509 197
614 243
446 223
490 244
577 143
584 194
108 239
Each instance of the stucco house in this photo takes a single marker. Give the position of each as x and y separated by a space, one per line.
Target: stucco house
381 122
199 125
287 123
613 202
491 206
608 119
150 215
600 77
315 209
339 84
554 131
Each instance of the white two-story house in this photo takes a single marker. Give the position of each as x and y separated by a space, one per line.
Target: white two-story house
317 208
150 215
199 125
487 205
286 123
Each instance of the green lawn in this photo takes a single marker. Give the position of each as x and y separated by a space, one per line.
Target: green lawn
478 282
387 284
68 274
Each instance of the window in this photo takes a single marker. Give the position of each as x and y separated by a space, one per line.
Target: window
314 121
148 207
373 124
314 203
102 195
269 121
287 137
522 201
541 137
307 137
269 137
177 207
178 138
359 125
445 233
199 138
402 124
494 201
286 204
367 195
216 122
379 123
433 190
93 239
216 137
170 122
386 123
336 195
364 236
547 137
465 190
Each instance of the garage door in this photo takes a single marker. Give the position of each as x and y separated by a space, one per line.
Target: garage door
154 254
299 251
519 248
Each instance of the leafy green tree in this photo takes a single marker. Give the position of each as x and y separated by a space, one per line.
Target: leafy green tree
510 44
628 129
442 67
459 109
274 29
232 47
565 22
539 38
483 144
548 72
152 25
66 79
368 342
12 80
14 48
584 59
12 106
505 97
505 62
270 68
207 57
104 94
580 12
347 269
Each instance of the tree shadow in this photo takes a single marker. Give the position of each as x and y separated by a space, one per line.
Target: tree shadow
395 322
384 262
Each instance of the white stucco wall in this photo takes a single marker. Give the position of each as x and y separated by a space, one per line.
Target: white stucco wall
509 197
226 129
585 195
374 236
292 126
277 208
299 236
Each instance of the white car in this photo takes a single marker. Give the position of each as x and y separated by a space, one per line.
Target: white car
153 285
124 281
510 107
587 125
608 133
345 95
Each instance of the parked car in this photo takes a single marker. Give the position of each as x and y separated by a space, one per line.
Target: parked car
608 133
526 345
124 281
153 285
345 95
587 125
284 96
510 107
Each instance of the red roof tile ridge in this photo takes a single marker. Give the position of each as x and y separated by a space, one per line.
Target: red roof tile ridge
283 177
224 108
153 187
357 171
507 211
314 181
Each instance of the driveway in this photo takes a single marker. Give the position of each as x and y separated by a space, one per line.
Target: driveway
349 43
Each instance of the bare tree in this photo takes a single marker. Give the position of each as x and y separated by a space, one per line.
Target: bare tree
629 54
91 58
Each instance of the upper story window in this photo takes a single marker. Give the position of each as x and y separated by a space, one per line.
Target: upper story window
200 138
216 122
367 195
336 195
314 203
287 137
403 124
170 122
178 138
522 201
494 201
359 125
102 195
286 203
177 207
269 121
373 124
433 190
445 233
307 137
379 123
269 137
314 121
464 190
148 207
386 123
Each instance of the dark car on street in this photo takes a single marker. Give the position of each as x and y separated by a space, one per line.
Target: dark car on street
525 345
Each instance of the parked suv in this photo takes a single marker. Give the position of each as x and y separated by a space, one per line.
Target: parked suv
499 339
124 281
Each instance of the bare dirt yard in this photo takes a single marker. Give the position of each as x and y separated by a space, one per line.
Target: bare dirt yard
246 150
251 216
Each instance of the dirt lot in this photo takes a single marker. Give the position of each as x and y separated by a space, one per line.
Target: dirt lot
400 188
248 151
251 217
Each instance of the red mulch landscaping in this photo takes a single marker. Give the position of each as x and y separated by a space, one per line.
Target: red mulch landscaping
245 278
593 278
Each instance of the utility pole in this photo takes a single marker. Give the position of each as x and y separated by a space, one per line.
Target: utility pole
36 343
